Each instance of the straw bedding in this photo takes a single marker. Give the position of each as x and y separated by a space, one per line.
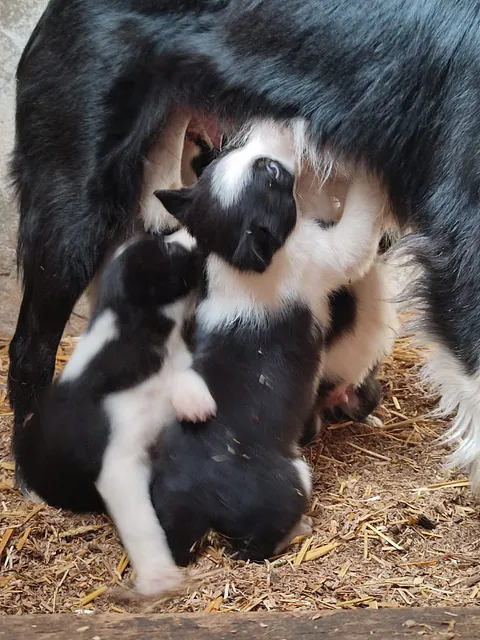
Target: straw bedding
392 528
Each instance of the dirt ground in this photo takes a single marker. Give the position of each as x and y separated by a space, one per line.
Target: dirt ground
392 528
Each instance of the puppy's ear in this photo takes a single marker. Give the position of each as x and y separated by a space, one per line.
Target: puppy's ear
177 202
255 249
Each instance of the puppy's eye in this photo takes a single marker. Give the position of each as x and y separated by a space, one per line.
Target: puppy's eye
273 169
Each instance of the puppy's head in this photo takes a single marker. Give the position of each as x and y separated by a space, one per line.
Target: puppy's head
242 208
150 272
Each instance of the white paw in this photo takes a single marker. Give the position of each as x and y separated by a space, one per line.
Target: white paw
304 527
161 581
373 421
190 397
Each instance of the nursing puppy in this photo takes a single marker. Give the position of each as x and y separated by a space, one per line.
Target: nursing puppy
259 342
362 321
86 448
362 332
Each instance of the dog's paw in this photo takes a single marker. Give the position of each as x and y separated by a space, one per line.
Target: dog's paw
373 421
160 582
304 527
190 397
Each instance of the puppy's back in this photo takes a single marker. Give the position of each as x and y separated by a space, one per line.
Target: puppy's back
236 473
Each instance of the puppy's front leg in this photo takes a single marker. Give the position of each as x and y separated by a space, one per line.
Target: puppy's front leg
124 484
191 398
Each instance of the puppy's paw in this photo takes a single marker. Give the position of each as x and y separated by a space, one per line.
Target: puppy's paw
337 396
190 397
304 527
163 581
373 421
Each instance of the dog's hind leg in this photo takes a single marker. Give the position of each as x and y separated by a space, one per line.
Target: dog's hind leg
448 292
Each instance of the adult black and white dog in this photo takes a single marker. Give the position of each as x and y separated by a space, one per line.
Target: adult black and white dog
259 345
389 82
86 447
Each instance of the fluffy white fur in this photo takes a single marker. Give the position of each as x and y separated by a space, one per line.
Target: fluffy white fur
352 356
460 395
459 392
265 139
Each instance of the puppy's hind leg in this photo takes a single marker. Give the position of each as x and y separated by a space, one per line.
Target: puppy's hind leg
124 485
353 242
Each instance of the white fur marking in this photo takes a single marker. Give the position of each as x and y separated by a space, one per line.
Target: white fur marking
102 331
374 422
182 237
137 416
354 354
305 475
460 393
265 140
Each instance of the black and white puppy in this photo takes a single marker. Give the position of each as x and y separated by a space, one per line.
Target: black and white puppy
86 448
362 321
259 343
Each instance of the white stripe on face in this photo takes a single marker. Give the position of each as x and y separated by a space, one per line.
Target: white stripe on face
231 173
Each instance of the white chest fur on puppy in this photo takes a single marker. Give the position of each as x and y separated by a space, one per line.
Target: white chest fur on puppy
87 448
259 343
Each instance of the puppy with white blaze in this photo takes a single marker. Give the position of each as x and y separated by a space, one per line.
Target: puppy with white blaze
362 320
258 346
87 446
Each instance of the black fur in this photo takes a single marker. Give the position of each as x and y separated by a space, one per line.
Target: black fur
249 232
60 448
206 155
343 313
389 82
234 473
